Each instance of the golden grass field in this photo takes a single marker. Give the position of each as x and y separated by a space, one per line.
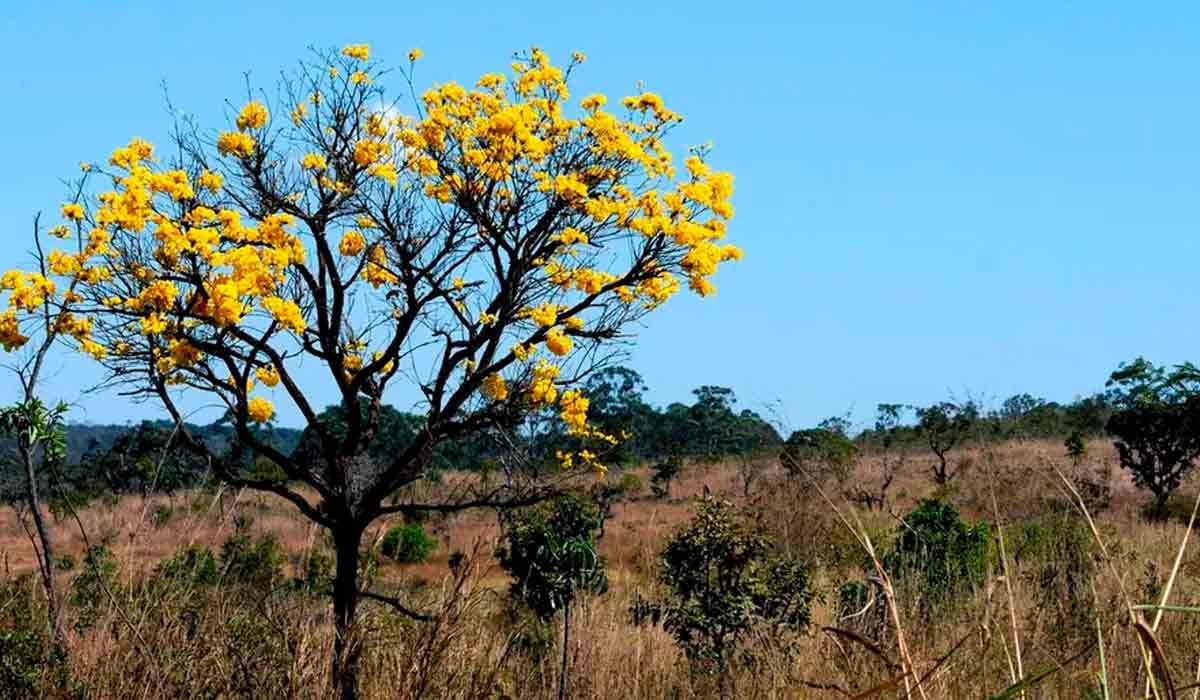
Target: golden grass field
213 644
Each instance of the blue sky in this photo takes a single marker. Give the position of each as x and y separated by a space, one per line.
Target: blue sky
951 200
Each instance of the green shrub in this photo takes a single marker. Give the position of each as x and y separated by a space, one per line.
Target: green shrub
664 473
22 654
1054 553
90 589
550 553
194 564
318 572
939 552
407 544
820 453
258 564
723 581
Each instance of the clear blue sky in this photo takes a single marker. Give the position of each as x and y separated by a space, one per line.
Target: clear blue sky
947 200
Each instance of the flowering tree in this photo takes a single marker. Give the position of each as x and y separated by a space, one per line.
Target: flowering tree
485 249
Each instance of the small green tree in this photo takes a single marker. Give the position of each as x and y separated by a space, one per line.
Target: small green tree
940 552
723 580
943 426
40 439
550 551
665 472
821 452
1076 447
1156 428
407 544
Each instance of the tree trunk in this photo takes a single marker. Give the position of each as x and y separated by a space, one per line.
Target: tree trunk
562 673
346 648
46 562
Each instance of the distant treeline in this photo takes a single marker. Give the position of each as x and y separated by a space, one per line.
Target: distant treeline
150 457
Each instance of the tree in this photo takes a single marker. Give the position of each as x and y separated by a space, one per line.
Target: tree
945 425
723 580
41 445
618 408
147 458
1156 428
824 451
888 436
1158 445
486 253
550 551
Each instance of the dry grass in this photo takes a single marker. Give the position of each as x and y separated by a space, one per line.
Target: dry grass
220 643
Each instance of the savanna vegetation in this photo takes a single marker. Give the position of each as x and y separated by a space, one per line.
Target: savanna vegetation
532 527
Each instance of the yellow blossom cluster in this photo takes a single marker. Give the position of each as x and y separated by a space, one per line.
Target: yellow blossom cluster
557 342
286 312
494 387
253 116
352 243
260 409
542 391
361 52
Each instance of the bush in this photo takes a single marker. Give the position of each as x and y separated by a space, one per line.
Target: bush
258 564
550 553
819 453
91 587
318 572
194 564
664 473
1055 553
723 581
407 544
939 552
22 654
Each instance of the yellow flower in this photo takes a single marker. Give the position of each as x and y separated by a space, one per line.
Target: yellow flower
494 387
545 315
74 212
558 343
299 113
210 181
313 161
361 52
542 391
352 243
235 143
60 232
10 331
368 152
522 352
574 411
486 319
253 116
260 409
286 312
359 77
384 171
593 102
269 376
415 54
